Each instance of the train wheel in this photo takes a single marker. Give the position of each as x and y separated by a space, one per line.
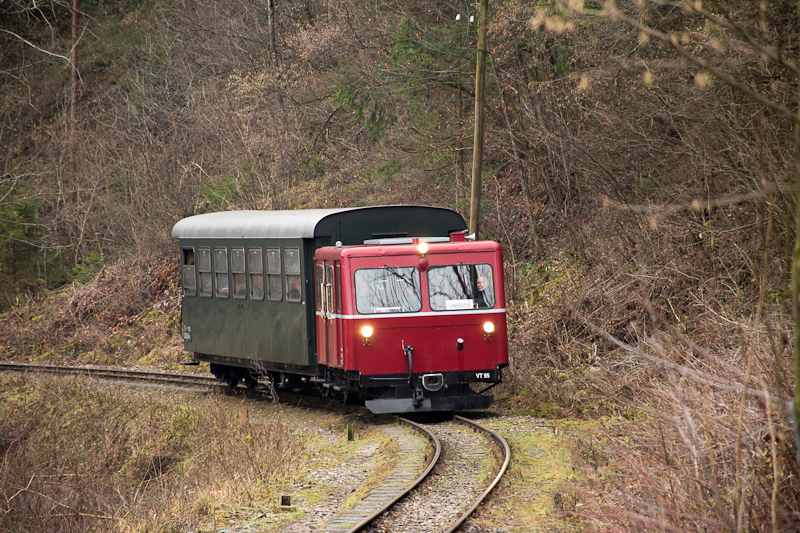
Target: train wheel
231 381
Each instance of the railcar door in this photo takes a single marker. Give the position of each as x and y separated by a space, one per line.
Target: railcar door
329 320
321 292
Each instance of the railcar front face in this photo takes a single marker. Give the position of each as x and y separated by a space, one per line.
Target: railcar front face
418 327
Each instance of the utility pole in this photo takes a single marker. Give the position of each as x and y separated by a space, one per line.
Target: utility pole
477 149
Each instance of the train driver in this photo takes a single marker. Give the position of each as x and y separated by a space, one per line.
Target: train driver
482 296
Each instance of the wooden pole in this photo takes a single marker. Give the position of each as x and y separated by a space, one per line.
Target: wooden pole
477 150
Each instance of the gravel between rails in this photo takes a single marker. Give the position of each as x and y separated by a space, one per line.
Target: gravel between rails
460 476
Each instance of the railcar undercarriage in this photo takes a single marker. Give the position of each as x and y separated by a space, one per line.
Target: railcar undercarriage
414 393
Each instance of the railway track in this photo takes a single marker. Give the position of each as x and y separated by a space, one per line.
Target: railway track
444 472
448 491
119 373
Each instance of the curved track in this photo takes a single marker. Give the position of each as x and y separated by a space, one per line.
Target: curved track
396 486
457 486
506 458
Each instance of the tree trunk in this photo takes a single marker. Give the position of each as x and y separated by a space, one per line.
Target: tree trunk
73 105
73 90
273 50
796 274
796 287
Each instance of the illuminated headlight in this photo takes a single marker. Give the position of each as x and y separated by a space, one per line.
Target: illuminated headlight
423 248
488 327
367 332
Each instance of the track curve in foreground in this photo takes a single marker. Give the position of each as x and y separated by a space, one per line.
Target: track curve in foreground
396 486
506 458
458 485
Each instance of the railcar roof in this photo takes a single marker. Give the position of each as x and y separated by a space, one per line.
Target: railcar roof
350 225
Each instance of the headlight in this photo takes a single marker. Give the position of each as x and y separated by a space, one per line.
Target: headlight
367 332
488 327
423 248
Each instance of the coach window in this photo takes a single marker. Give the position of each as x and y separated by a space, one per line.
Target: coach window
221 269
275 291
239 276
461 287
188 270
294 289
388 290
255 263
204 267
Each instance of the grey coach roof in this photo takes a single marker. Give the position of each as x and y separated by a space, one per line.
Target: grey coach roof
351 225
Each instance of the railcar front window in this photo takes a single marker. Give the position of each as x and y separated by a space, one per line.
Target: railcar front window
388 290
461 287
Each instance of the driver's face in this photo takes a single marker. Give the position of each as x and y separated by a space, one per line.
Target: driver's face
481 284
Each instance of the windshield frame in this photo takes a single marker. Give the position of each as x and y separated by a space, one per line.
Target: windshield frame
454 287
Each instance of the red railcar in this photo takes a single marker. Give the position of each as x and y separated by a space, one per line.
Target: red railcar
410 323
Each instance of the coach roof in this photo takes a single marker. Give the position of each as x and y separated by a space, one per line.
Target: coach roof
349 225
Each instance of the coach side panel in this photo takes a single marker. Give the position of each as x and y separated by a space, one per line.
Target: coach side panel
248 299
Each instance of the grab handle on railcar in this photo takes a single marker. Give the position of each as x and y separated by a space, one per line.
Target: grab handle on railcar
408 351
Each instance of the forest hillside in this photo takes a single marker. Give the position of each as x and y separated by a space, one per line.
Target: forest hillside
637 169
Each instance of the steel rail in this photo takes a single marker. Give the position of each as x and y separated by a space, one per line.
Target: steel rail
506 459
114 373
411 486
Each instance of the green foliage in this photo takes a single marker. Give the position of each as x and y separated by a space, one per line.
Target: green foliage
20 239
88 268
560 56
221 192
118 39
438 50
361 98
388 171
541 278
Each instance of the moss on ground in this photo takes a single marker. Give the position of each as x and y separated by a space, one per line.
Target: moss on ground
539 483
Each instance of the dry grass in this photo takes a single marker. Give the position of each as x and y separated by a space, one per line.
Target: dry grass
83 456
705 443
129 313
682 354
